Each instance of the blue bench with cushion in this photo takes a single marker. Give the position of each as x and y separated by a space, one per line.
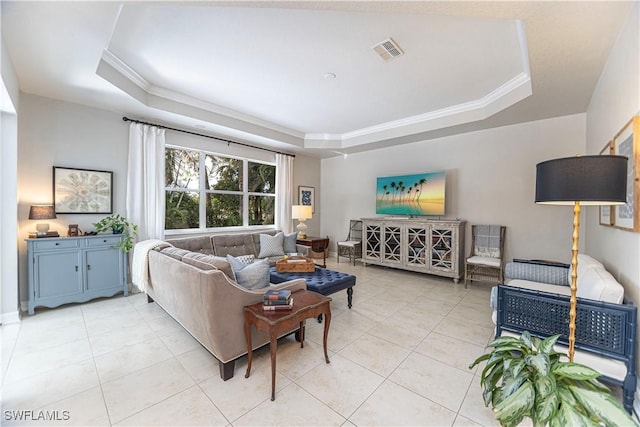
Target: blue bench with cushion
322 281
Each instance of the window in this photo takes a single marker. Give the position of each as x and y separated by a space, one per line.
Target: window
206 190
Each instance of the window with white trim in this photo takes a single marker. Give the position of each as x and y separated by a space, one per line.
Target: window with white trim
206 190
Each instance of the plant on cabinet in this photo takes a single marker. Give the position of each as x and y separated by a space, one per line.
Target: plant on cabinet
119 225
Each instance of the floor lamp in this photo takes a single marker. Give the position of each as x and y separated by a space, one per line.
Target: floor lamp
586 180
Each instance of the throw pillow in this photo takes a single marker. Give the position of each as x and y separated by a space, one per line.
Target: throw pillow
271 245
254 276
239 262
290 243
209 262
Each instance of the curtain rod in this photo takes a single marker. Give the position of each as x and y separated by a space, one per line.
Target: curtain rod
127 119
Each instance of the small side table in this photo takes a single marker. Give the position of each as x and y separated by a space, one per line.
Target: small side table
317 244
306 304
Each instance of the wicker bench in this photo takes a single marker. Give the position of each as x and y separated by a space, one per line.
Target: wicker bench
605 332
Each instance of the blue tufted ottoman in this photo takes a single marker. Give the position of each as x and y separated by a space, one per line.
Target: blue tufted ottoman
322 281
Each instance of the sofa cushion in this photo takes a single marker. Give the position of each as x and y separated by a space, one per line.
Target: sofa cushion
603 364
233 244
598 284
254 276
209 262
176 253
538 286
585 263
290 246
271 245
194 244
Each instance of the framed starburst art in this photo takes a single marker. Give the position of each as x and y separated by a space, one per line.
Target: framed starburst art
82 191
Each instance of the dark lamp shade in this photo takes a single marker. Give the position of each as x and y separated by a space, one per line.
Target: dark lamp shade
590 180
42 212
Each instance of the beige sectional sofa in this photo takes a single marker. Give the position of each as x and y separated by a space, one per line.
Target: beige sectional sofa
222 245
198 289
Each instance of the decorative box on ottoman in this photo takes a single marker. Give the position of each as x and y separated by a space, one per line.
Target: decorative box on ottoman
295 264
321 280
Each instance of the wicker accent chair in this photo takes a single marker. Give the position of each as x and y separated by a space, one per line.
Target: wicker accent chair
485 262
352 247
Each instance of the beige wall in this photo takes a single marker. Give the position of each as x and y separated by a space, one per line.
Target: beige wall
59 133
306 172
615 100
490 180
56 133
9 312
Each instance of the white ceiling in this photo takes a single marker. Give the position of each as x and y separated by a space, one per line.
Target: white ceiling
256 70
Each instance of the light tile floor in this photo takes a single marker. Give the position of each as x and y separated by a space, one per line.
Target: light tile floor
400 356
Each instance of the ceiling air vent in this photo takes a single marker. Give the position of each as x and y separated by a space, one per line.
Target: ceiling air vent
388 49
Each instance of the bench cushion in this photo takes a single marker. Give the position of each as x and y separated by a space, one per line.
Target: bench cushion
607 366
322 280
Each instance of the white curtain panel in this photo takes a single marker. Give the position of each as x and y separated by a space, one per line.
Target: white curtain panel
145 180
284 192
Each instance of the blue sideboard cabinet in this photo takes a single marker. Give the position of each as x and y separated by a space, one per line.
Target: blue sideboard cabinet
75 269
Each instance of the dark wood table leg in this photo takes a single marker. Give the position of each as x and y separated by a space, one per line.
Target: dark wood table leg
301 334
327 322
247 335
273 345
349 296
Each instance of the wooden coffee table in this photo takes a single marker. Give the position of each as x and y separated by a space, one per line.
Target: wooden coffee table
306 304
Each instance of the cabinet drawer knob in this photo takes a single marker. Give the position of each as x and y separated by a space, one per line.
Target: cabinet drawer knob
57 243
76 268
88 266
104 241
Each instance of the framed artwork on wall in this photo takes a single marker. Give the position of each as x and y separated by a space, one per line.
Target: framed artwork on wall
627 143
306 197
606 211
82 191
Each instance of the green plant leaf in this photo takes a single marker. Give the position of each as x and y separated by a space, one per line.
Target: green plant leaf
517 405
480 359
540 362
603 406
490 367
525 337
546 408
546 346
575 371
568 416
511 384
517 366
503 340
565 395
597 385
545 385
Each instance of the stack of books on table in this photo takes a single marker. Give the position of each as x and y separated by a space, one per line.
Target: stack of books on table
277 300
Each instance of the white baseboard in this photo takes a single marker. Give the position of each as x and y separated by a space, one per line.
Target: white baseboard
8 318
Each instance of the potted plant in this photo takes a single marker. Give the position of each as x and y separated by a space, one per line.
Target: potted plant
119 225
526 377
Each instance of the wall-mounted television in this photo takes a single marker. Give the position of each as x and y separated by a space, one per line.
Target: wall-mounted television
418 194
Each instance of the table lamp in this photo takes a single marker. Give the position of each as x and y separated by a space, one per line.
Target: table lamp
586 180
301 213
42 212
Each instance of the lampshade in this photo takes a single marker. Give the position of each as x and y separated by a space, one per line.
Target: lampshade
590 180
42 212
301 212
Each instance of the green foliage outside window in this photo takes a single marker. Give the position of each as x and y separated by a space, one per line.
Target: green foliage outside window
223 191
